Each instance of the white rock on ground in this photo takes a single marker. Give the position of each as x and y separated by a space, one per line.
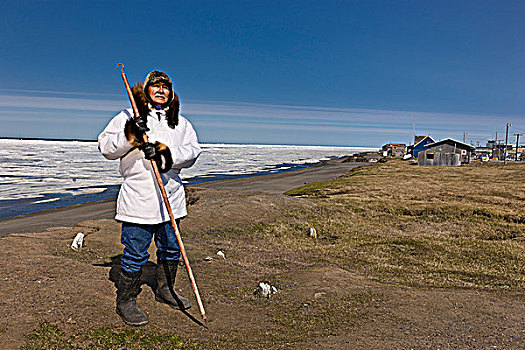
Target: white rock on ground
78 241
266 290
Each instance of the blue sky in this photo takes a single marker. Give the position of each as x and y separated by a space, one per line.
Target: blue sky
353 73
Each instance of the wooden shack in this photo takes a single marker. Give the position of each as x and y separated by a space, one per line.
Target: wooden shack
433 157
447 152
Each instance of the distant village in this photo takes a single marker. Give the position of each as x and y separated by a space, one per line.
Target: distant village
447 152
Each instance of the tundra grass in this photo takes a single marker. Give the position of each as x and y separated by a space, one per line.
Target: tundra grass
418 226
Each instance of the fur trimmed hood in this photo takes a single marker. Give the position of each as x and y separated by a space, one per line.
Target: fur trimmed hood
144 107
156 77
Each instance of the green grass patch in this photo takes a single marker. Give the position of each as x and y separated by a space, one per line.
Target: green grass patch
50 336
355 177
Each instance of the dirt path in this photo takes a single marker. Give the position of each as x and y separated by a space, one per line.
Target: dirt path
282 182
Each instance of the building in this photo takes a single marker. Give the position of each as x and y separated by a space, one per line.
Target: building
394 150
432 157
447 152
420 143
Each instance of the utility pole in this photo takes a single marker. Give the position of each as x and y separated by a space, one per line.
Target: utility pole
464 136
517 144
506 142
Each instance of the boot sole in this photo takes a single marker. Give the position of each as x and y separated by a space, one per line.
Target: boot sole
177 307
138 324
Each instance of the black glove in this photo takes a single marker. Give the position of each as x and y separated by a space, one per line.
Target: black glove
140 124
149 150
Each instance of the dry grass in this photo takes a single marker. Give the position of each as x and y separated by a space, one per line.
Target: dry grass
418 226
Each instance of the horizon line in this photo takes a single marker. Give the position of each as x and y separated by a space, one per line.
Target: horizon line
201 143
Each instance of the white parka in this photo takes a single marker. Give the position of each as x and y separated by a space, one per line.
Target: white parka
139 200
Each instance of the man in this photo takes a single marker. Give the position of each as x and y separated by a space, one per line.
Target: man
173 145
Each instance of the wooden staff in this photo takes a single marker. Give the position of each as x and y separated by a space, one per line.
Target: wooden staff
166 201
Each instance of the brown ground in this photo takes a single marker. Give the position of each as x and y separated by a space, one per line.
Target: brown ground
319 305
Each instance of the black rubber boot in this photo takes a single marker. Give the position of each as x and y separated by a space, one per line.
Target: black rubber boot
165 293
127 291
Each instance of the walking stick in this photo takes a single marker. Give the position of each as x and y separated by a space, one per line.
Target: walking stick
166 202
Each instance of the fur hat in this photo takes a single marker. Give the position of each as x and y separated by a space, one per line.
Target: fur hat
144 106
156 77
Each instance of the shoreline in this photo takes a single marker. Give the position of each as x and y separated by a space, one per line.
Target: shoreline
11 208
279 182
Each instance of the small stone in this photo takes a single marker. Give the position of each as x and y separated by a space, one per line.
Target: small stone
318 295
208 258
221 254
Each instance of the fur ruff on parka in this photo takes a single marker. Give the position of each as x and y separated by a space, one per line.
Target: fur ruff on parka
163 155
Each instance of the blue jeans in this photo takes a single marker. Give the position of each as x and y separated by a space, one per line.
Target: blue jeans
137 238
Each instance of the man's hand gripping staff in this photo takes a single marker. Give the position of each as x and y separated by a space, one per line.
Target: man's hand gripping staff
149 151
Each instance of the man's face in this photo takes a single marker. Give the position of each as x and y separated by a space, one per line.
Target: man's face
159 93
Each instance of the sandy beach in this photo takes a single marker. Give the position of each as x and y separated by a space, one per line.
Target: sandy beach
372 278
